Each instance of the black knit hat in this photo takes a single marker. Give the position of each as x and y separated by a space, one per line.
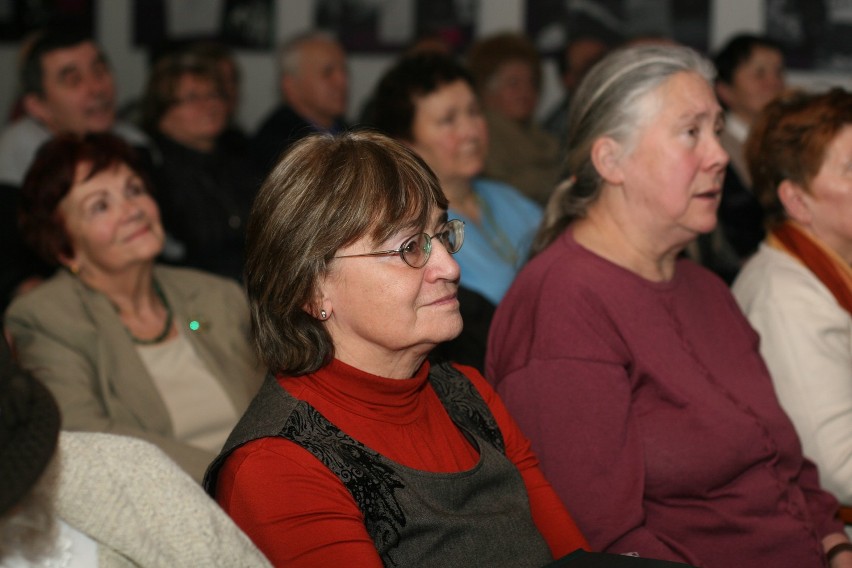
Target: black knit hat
29 430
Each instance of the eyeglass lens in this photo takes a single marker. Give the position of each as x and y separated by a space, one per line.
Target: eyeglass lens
415 252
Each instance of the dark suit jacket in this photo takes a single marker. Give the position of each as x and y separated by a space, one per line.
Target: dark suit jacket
278 131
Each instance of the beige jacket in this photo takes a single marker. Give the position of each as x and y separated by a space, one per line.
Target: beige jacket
71 338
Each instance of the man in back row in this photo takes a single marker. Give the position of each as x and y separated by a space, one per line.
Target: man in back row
67 86
315 90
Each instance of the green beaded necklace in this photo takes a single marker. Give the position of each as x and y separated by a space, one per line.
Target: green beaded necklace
169 320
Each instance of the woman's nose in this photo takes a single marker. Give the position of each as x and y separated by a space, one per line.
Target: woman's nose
441 264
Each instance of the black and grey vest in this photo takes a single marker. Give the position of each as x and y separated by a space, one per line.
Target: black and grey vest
478 517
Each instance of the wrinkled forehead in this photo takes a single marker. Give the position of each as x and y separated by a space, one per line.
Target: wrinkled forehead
683 93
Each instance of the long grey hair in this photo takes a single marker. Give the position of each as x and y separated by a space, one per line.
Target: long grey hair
610 102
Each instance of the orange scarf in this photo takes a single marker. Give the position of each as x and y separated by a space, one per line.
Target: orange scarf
832 271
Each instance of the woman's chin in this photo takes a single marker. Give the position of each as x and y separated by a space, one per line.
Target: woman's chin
454 329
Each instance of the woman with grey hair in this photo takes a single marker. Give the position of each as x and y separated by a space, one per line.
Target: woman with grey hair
630 367
357 451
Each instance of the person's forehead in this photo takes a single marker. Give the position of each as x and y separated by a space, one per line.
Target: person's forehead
515 66
189 81
435 216
584 51
319 52
762 54
690 97
445 95
80 55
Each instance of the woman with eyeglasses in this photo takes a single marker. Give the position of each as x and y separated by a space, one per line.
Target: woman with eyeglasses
428 101
357 451
205 183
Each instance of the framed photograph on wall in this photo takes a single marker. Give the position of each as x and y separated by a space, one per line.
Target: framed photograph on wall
239 23
19 19
552 23
815 34
383 27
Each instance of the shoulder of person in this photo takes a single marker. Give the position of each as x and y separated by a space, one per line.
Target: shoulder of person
193 280
180 276
61 292
26 128
19 142
772 275
131 134
476 378
499 123
501 191
77 445
154 500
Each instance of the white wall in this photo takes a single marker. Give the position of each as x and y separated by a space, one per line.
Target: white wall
259 73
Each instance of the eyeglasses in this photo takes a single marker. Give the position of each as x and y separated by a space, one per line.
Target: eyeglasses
416 249
196 98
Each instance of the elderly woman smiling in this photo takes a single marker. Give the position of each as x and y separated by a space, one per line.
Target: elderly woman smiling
632 369
357 451
125 345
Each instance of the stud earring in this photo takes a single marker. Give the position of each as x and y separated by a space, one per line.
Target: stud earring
323 314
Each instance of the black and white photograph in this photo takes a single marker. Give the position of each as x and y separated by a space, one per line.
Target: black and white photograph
380 26
552 23
815 34
18 18
239 23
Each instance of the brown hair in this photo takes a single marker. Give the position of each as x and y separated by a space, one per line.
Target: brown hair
52 175
325 193
487 56
413 77
789 140
163 83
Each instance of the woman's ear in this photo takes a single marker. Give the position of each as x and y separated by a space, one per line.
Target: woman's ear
606 156
34 106
796 201
320 305
725 93
71 264
318 310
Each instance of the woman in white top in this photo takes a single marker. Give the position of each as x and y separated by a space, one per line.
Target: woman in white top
797 289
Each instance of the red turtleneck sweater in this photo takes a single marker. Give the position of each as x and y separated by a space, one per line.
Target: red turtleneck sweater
297 511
